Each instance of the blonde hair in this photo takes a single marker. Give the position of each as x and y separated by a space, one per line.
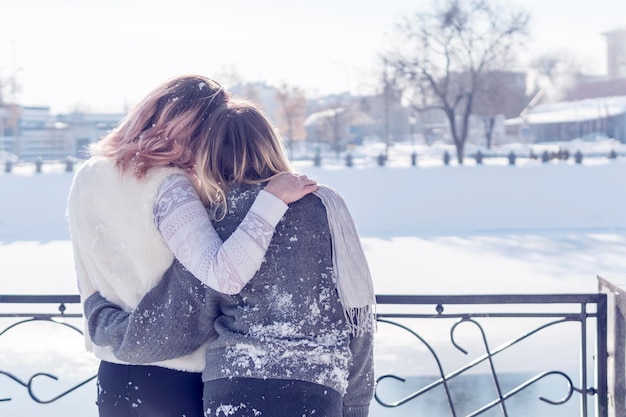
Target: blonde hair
164 128
239 146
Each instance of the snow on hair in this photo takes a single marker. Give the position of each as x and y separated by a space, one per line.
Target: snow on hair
163 129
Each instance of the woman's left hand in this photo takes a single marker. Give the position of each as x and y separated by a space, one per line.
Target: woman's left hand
291 187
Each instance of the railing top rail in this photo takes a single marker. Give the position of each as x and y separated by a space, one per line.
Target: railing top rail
380 299
39 299
491 299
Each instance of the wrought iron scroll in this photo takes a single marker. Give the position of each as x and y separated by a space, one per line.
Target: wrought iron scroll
465 318
41 317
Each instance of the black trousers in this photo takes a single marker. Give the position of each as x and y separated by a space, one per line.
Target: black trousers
148 391
252 397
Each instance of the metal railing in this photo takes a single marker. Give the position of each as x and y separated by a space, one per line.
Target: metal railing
402 318
616 345
26 317
545 311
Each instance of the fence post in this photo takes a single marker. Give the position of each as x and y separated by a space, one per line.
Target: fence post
511 158
69 164
578 157
38 164
616 349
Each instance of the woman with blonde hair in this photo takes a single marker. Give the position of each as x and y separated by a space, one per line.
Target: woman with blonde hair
133 208
297 340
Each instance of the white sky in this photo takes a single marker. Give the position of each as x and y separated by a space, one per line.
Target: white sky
101 56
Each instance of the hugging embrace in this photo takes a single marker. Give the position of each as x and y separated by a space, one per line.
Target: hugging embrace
214 280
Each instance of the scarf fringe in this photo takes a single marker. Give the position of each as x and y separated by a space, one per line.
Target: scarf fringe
361 320
354 281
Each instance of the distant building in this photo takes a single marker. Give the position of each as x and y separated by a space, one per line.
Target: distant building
611 84
499 95
567 120
33 132
340 127
593 87
591 106
262 94
616 53
86 128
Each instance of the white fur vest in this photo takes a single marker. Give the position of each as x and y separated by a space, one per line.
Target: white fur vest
118 249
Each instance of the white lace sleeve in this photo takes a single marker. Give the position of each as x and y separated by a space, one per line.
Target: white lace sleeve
185 225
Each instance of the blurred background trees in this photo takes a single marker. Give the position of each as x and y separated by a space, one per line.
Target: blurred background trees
445 57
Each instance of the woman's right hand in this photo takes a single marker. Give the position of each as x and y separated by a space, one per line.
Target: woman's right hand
291 187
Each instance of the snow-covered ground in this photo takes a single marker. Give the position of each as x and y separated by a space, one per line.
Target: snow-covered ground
427 229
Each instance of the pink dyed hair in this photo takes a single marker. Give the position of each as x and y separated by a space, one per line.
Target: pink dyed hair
164 128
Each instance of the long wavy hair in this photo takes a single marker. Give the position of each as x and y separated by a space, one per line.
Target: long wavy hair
240 146
165 128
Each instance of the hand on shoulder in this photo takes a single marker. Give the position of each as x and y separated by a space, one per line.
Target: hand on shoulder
291 187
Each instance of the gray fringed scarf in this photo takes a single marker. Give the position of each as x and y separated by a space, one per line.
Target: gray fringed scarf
354 281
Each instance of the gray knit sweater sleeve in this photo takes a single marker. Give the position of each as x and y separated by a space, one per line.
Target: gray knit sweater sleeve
360 391
171 320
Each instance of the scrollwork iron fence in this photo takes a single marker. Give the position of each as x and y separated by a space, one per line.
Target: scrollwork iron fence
549 310
57 318
402 312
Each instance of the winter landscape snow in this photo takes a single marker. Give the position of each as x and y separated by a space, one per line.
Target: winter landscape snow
428 229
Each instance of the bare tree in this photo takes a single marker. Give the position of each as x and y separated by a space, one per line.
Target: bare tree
10 88
441 54
499 93
337 122
392 101
291 113
9 110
